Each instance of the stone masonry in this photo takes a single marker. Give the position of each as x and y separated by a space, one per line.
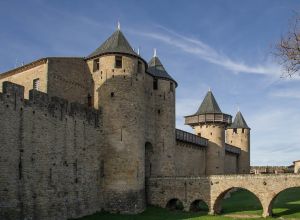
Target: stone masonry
86 134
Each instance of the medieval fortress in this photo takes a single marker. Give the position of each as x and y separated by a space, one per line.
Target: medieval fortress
85 134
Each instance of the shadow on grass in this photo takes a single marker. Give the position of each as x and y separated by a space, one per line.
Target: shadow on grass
287 203
151 213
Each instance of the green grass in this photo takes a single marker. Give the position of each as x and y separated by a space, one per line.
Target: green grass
242 202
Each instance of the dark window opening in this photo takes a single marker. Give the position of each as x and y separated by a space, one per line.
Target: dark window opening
118 62
89 100
243 130
158 111
102 168
235 130
171 87
199 134
112 94
96 65
140 67
36 84
155 84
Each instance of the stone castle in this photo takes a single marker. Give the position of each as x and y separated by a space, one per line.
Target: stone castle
81 135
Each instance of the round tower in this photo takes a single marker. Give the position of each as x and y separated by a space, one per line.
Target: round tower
118 73
238 134
209 122
164 115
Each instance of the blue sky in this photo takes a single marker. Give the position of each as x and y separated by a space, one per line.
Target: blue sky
222 45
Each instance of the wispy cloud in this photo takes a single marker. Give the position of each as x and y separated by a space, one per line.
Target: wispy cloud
286 93
209 54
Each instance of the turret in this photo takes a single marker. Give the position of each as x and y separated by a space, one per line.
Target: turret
164 102
209 122
118 73
238 134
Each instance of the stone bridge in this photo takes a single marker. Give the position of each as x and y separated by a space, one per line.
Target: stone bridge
212 189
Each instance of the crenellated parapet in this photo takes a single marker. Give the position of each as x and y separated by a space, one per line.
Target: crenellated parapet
13 97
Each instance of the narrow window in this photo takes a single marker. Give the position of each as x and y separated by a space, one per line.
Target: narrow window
36 84
96 65
155 84
235 130
118 62
171 87
112 94
243 130
199 134
102 168
140 67
89 100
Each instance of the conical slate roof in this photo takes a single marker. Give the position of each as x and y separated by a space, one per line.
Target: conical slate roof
209 105
239 121
156 69
116 43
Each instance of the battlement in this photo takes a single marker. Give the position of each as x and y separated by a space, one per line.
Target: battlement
13 96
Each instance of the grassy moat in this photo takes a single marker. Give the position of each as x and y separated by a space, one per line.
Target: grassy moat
242 204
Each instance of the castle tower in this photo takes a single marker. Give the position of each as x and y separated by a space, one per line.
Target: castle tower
238 134
209 122
118 73
164 92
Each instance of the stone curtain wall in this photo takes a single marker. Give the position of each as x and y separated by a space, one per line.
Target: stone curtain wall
69 78
50 157
231 163
189 159
212 189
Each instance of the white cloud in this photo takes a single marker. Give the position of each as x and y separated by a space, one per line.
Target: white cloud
207 53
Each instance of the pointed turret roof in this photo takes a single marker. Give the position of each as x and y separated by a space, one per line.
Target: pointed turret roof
116 43
239 121
209 105
156 69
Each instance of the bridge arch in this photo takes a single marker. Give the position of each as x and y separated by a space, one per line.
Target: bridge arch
174 204
277 195
198 205
217 203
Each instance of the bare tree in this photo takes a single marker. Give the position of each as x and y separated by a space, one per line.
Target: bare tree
288 49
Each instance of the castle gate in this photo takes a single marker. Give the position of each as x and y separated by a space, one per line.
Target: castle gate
212 189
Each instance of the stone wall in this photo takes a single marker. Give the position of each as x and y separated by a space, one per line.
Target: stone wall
297 166
189 159
231 163
215 154
26 74
240 138
50 161
69 78
120 94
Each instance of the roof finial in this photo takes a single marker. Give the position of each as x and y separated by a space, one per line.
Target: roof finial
209 89
119 25
154 52
138 51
